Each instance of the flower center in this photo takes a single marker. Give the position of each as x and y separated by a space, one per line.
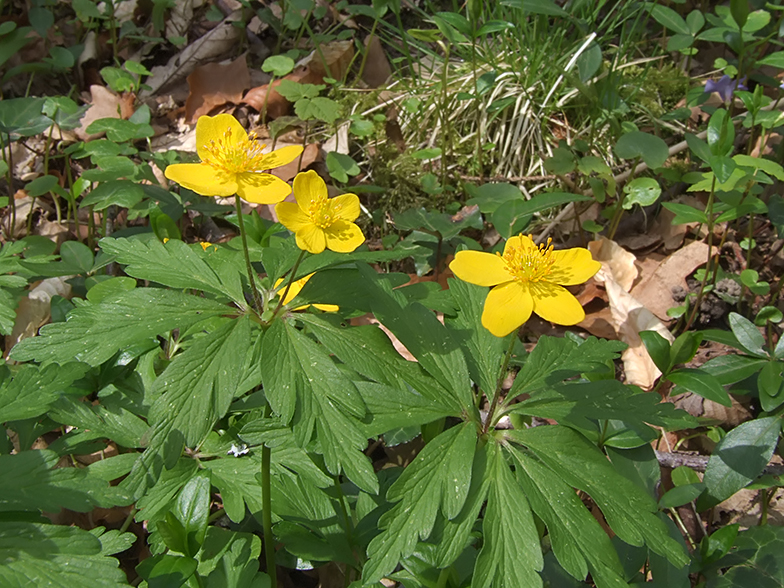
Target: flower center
323 212
529 263
245 155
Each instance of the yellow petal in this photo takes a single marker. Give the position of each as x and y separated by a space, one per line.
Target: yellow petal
311 238
573 266
327 307
519 242
294 289
261 188
291 216
309 187
343 236
480 268
556 304
345 207
280 156
506 308
202 179
213 128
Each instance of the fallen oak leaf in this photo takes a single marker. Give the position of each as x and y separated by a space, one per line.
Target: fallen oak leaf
216 84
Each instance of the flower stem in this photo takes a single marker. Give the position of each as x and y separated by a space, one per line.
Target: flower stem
499 383
248 266
266 510
291 281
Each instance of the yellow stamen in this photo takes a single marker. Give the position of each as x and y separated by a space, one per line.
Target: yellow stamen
529 263
247 155
323 212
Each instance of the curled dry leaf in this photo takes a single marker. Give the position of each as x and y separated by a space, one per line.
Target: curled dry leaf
616 259
34 310
629 317
377 69
216 84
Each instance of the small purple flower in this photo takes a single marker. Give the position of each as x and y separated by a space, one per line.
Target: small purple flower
725 87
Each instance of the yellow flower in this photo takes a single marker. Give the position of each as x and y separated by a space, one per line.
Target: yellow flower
526 279
206 245
295 289
232 163
320 222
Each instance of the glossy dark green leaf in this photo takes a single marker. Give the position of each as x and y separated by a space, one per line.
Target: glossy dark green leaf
33 389
700 382
658 348
748 335
166 571
739 458
22 117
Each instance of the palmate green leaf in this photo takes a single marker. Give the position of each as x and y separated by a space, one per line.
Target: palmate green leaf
511 555
606 399
629 510
155 503
54 556
369 352
31 482
484 351
302 382
174 264
193 392
555 359
579 543
757 560
235 564
93 333
118 424
425 337
32 389
437 480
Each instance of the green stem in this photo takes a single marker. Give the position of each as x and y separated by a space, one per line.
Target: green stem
248 266
499 383
266 510
291 281
443 577
698 300
616 220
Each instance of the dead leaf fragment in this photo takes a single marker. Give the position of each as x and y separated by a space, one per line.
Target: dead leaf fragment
619 261
655 292
377 69
216 84
104 104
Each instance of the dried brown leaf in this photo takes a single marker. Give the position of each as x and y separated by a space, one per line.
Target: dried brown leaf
216 84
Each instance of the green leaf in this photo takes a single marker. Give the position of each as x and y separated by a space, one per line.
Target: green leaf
681 495
318 108
626 506
510 218
119 130
425 337
166 571
756 560
33 389
562 161
702 383
578 403
739 458
555 359
437 480
111 287
278 65
483 351
160 498
55 556
579 542
293 91
510 552
650 148
749 337
41 185
93 333
302 382
31 481
658 348
113 422
177 265
122 193
642 191
21 117
729 369
341 166
670 19
685 213
492 195
192 509
771 168
77 254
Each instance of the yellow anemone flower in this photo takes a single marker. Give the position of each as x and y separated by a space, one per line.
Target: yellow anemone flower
526 278
320 222
233 163
295 289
